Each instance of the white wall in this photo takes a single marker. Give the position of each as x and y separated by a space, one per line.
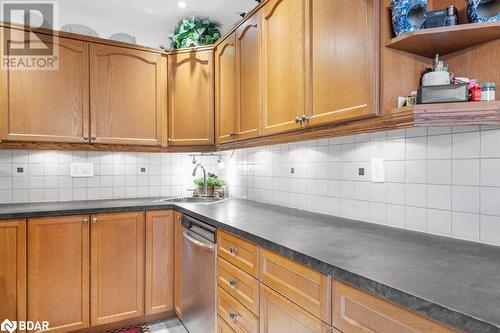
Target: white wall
438 180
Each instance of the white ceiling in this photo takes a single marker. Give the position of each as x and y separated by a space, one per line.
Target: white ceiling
150 21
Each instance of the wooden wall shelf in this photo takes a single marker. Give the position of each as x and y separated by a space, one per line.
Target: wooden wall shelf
457 114
446 40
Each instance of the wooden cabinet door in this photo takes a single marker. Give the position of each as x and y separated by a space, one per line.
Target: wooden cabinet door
178 264
191 98
356 311
284 33
249 77
345 54
278 315
117 267
126 95
225 90
13 270
47 105
58 272
159 262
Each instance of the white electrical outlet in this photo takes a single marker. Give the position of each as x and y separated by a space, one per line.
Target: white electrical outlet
82 170
378 170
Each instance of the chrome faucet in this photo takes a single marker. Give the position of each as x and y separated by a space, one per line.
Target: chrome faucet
204 177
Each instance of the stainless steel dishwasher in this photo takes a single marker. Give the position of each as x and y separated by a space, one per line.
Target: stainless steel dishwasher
198 276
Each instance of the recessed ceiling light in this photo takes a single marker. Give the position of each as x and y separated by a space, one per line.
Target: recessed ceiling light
181 4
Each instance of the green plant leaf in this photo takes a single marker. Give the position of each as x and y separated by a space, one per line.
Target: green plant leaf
192 31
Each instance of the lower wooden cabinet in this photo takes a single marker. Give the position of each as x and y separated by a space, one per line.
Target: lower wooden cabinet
223 327
13 270
58 272
278 315
159 262
117 267
178 264
236 315
356 311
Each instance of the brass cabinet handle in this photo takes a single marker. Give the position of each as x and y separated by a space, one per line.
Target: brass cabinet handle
85 220
94 220
85 138
298 120
233 315
179 217
304 118
94 138
233 133
233 283
233 250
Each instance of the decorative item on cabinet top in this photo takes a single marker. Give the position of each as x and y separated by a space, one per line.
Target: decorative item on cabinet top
408 15
483 10
194 32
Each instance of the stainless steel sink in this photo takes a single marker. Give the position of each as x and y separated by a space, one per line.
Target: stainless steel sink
202 200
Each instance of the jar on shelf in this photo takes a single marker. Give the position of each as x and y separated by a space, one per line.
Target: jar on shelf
488 91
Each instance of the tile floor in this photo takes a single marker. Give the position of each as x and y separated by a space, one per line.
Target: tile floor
168 326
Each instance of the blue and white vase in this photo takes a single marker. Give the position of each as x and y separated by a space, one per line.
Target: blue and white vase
408 15
483 10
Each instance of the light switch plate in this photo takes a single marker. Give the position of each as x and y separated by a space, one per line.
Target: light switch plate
82 170
378 170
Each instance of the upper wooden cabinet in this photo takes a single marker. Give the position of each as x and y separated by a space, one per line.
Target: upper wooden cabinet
191 98
225 90
47 105
344 54
284 37
58 272
159 262
249 77
117 267
13 270
126 94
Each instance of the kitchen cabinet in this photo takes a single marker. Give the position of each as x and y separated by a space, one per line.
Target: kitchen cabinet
117 267
223 327
58 272
307 288
285 61
356 311
191 98
240 285
159 262
249 77
47 105
344 57
277 315
127 90
235 314
238 252
225 90
13 270
178 241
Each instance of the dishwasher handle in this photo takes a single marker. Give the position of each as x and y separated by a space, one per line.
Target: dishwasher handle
189 237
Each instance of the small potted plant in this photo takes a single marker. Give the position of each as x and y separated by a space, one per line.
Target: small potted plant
219 186
199 183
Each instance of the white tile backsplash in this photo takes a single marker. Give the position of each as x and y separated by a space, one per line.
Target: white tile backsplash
438 180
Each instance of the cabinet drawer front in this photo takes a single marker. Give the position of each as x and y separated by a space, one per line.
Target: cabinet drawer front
223 327
236 315
279 315
240 285
356 311
237 251
305 286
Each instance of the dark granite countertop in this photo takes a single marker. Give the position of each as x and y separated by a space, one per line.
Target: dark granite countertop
452 281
